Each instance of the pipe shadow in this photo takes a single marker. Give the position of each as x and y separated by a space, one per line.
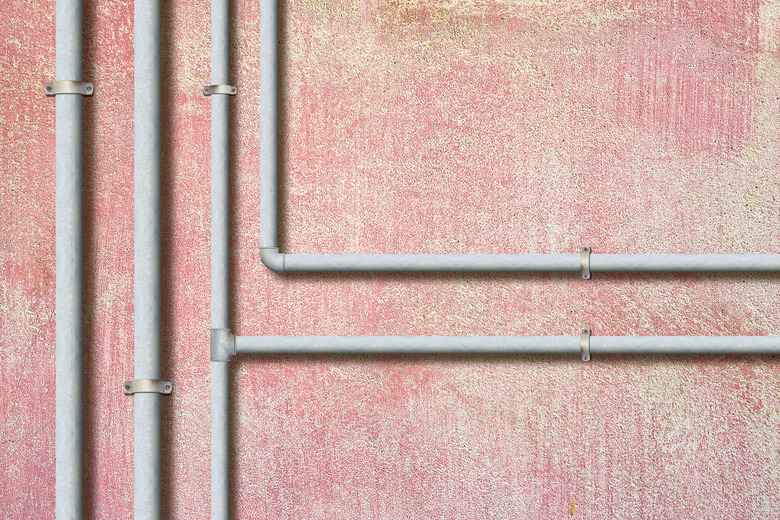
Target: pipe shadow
89 259
167 253
547 277
282 208
245 361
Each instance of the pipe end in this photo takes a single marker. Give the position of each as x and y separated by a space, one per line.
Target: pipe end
272 259
223 344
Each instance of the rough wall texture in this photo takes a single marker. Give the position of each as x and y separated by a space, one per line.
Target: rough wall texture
417 126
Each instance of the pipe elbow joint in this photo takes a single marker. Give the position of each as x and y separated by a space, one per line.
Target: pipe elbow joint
272 259
223 344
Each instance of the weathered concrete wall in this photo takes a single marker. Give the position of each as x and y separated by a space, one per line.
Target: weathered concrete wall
417 126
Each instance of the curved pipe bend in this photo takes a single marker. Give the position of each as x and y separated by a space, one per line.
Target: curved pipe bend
272 258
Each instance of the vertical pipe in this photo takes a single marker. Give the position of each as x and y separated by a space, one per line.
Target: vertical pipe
68 269
220 447
147 256
220 54
269 74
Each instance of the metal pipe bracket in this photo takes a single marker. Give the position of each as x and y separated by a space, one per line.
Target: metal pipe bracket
585 345
148 386
585 262
69 87
230 90
223 344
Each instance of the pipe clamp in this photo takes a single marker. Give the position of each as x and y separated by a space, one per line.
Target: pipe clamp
230 90
148 386
585 262
69 87
585 345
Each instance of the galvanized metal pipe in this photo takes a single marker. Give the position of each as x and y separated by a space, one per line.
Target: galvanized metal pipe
284 262
220 230
147 256
220 440
68 265
555 345
269 124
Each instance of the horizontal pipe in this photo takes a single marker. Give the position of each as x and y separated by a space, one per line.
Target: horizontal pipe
685 263
282 262
407 344
506 345
685 345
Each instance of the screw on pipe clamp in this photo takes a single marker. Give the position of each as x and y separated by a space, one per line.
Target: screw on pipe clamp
585 262
230 90
585 345
148 386
69 87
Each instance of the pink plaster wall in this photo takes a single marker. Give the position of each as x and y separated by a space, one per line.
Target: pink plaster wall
429 126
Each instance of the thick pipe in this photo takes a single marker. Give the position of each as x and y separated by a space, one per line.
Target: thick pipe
147 255
220 205
68 266
506 345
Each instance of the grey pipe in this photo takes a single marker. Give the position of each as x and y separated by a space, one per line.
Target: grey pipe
269 121
68 269
506 345
281 262
220 231
147 256
220 440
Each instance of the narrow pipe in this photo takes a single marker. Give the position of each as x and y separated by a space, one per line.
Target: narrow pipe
281 262
220 230
269 122
506 345
685 345
147 255
407 344
68 265
429 263
284 262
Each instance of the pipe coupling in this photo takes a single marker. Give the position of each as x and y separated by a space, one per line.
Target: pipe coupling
223 344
